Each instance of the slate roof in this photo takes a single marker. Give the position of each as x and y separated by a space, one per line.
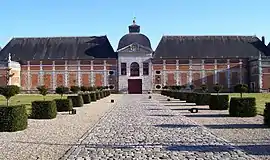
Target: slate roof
268 45
58 48
209 46
134 38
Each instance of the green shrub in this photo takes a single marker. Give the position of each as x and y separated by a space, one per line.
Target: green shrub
219 102
217 88
191 97
75 89
62 90
102 94
241 88
203 87
84 88
86 98
183 96
13 118
243 107
203 98
63 105
93 97
43 90
192 87
9 91
266 114
44 110
77 101
98 95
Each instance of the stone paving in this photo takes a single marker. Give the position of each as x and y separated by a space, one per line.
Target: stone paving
142 128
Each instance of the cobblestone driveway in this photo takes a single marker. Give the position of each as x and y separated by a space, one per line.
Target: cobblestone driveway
142 128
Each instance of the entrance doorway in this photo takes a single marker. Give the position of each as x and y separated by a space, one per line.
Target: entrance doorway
135 86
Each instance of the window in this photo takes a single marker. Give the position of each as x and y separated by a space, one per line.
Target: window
145 68
134 69
123 68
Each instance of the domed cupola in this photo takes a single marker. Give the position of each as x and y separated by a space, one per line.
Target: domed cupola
134 36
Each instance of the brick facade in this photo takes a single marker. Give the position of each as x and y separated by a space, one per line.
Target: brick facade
164 72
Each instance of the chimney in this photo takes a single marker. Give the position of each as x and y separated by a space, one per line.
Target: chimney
263 39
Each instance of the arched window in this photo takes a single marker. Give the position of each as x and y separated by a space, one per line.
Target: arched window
134 69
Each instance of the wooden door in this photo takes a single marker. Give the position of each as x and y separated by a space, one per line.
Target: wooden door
135 86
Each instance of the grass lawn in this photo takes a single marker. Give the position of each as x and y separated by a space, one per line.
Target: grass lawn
261 98
27 99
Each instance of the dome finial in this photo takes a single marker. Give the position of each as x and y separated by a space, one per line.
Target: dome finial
134 20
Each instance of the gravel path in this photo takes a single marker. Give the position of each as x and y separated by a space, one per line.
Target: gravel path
249 134
139 128
50 139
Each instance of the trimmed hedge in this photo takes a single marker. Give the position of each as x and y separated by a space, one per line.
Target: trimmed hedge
191 97
13 118
243 107
266 114
98 95
203 98
101 94
93 97
183 96
219 102
63 105
77 101
44 109
86 98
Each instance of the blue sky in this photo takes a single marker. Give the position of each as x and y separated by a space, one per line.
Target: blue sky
38 18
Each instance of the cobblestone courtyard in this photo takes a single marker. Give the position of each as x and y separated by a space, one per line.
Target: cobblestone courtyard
142 128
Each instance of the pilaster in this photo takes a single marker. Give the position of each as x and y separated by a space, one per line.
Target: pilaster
41 74
29 84
190 72
105 73
53 76
92 73
215 72
228 74
66 73
79 73
151 74
203 77
164 73
260 72
177 73
241 70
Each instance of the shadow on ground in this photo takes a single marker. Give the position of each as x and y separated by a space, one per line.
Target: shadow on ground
175 105
258 149
162 115
236 126
207 115
185 109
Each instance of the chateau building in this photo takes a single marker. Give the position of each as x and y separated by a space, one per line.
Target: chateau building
135 67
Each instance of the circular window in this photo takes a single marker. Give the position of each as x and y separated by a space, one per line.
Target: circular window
111 72
158 86
157 72
111 87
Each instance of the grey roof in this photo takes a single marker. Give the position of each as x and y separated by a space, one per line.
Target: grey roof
58 48
209 46
134 38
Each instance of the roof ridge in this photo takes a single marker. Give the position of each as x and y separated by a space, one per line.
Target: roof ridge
209 36
57 37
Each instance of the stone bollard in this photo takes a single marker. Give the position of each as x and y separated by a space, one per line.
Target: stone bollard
193 110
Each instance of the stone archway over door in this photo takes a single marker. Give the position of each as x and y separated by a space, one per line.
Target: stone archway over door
135 86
